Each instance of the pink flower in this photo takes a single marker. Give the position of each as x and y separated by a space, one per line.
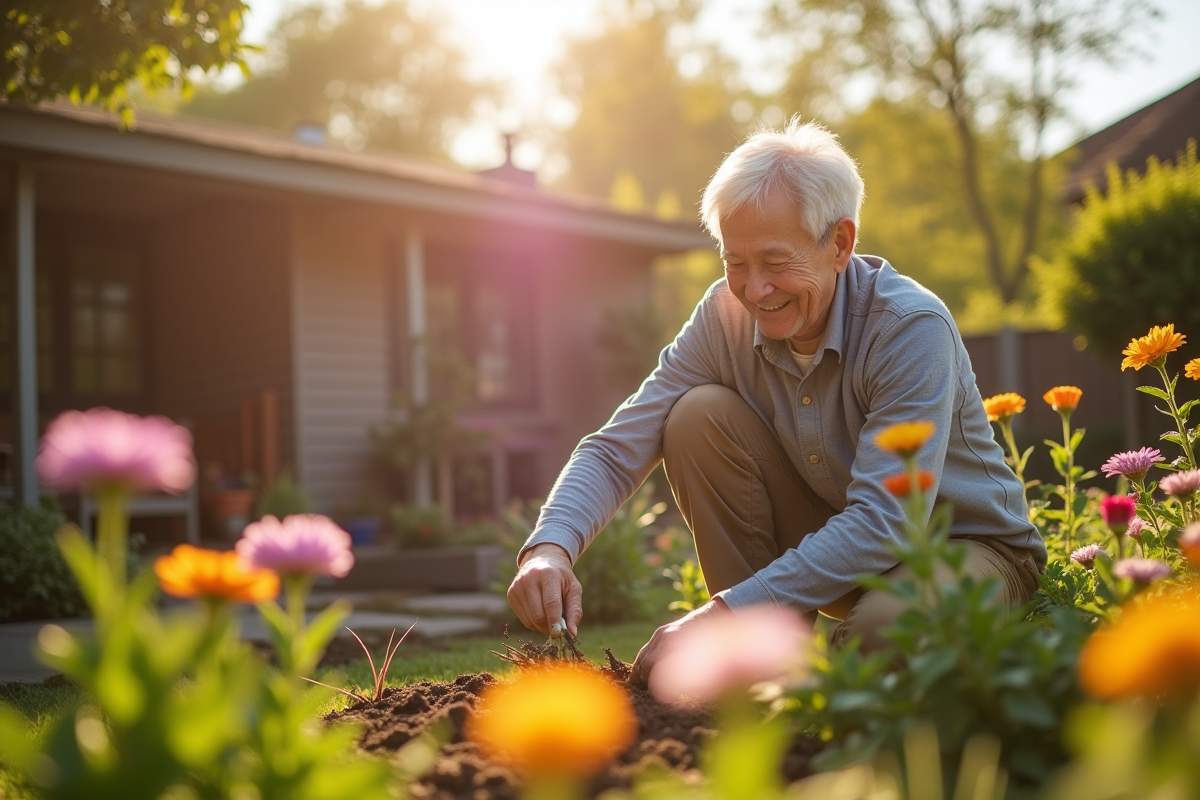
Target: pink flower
1142 570
1086 555
1117 511
730 651
86 449
1136 526
303 544
1134 464
1181 484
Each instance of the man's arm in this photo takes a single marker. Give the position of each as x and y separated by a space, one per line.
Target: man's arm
912 373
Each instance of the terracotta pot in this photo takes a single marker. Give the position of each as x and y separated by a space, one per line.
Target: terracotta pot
232 509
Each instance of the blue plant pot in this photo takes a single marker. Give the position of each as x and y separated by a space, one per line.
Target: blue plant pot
362 530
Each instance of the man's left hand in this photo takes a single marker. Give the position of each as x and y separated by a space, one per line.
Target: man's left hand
664 637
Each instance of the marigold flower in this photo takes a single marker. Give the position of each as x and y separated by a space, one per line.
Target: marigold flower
1145 350
1003 406
302 544
1192 369
905 438
86 449
1153 649
901 486
1117 511
565 720
1133 464
1086 555
1142 570
1182 484
1063 398
1189 543
729 652
195 572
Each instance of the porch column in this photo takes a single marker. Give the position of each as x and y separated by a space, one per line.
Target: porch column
414 267
25 411
1008 359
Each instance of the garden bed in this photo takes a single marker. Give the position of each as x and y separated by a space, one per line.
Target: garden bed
669 737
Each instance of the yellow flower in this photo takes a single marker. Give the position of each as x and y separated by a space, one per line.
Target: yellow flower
1063 398
561 721
905 438
1144 351
1192 369
1003 406
1153 649
194 572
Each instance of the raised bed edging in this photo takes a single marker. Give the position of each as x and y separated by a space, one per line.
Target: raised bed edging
468 569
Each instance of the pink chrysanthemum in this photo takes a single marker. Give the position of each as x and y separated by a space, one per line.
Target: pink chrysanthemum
308 544
1142 570
86 449
1181 484
731 652
1086 555
1117 511
1136 526
1133 465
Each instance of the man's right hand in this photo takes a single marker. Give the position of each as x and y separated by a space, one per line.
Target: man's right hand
546 590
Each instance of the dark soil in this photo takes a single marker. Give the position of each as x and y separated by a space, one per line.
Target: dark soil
668 736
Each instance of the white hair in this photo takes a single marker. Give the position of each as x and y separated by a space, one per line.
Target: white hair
805 160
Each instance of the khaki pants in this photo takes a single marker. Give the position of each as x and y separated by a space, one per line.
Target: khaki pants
746 504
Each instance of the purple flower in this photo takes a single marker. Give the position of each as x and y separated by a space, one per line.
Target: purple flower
1085 555
1136 526
1133 465
1142 570
305 544
86 449
1181 484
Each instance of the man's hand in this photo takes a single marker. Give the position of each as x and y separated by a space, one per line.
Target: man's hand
544 585
662 639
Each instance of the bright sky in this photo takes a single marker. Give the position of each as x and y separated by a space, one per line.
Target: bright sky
517 40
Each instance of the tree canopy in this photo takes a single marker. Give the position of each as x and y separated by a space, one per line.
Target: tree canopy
93 51
377 75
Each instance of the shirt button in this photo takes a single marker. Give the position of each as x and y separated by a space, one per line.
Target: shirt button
806 400
814 458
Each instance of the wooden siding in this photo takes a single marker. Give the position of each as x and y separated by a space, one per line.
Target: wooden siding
341 351
220 327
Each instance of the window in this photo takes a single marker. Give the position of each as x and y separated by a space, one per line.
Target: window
105 312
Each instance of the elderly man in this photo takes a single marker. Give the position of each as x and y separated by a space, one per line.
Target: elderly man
764 411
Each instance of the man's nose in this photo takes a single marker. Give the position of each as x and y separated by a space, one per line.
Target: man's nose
758 286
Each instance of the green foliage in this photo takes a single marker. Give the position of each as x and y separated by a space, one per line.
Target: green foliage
417 527
1133 257
378 75
35 582
615 575
688 580
92 51
282 498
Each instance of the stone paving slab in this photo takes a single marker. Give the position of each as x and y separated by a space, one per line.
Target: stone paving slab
471 603
17 639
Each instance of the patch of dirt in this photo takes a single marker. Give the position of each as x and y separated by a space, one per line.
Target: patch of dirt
668 736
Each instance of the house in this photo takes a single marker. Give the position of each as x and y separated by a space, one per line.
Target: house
242 280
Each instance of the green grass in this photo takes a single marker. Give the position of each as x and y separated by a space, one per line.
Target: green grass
40 706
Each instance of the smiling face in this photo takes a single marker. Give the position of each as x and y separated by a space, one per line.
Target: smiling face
784 278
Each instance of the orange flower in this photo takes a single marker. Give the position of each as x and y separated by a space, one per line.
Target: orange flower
561 721
1145 350
1063 398
1192 369
901 486
194 572
1003 406
1152 650
905 438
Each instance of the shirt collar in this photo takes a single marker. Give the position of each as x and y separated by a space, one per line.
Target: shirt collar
835 330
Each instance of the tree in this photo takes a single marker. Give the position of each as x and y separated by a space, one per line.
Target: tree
92 51
1133 258
940 50
373 75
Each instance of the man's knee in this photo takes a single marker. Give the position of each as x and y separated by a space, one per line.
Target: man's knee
874 612
700 409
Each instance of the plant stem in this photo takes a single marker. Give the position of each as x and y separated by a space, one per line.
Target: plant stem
1011 441
111 525
295 591
1180 425
1069 487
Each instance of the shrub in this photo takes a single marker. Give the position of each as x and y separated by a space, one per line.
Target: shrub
35 582
419 527
1133 257
282 498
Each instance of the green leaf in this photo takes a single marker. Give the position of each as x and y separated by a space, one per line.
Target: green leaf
1154 392
1077 437
744 760
320 631
931 666
279 627
1029 708
854 701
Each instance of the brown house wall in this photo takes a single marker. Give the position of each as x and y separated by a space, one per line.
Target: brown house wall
220 316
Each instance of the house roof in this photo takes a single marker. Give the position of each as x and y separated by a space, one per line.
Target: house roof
267 158
1161 129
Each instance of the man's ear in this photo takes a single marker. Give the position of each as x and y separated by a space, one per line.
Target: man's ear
845 235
